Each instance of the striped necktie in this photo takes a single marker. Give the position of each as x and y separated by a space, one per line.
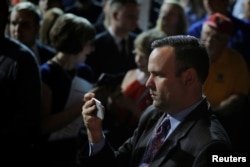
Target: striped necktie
156 141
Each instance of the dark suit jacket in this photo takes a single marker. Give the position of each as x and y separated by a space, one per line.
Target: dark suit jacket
45 52
187 146
106 57
20 103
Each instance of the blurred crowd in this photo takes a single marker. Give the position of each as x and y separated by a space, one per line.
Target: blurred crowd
71 47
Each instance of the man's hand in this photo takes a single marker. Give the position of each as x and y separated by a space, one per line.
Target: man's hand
92 122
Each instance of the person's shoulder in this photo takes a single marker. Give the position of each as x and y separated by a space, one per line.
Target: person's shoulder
104 39
45 47
240 25
131 73
208 133
234 56
16 45
45 68
17 50
217 130
238 22
102 34
49 71
128 78
151 112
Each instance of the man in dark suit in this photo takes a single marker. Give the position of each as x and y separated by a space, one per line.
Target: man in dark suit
178 67
108 56
25 19
20 99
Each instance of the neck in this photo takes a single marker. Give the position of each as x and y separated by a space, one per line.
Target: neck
66 61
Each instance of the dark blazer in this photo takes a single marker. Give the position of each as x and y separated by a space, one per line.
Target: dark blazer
187 146
106 57
45 52
20 98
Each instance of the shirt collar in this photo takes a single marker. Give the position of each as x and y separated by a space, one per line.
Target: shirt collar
177 118
116 38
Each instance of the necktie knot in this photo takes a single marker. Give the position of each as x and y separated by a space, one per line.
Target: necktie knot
164 126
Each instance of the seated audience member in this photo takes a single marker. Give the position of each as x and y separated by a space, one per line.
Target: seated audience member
114 46
20 99
228 77
63 91
134 97
240 36
49 19
171 19
24 26
178 67
103 21
227 85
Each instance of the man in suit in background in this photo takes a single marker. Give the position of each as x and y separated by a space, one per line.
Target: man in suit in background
178 67
108 56
25 19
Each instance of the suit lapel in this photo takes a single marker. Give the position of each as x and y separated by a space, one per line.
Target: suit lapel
180 132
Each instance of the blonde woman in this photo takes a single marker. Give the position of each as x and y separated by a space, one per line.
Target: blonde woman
172 19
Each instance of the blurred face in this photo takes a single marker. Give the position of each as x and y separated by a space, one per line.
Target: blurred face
127 17
23 27
169 16
165 88
141 59
215 42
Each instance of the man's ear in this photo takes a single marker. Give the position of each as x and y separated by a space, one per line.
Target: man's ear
189 76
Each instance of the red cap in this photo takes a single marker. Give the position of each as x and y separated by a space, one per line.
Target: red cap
220 23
